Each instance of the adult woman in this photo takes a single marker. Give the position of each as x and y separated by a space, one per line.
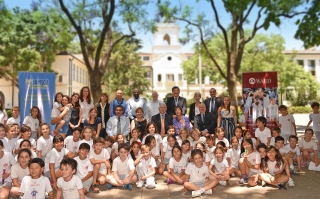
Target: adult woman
194 107
103 108
139 122
180 121
93 121
76 113
85 103
227 117
3 114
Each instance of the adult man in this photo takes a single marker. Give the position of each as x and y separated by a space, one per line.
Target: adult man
212 105
175 101
153 105
118 123
162 120
135 102
204 121
118 101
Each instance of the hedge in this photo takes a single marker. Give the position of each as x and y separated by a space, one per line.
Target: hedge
299 109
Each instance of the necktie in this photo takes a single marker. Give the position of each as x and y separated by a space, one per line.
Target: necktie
118 126
176 101
212 105
162 125
202 118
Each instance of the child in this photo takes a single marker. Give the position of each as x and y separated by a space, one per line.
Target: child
36 185
6 161
273 110
152 130
177 166
145 166
183 135
25 135
19 170
155 152
220 136
123 169
9 140
135 133
275 133
108 142
249 164
295 150
2 131
273 169
308 148
211 146
223 145
33 121
99 158
167 153
58 112
262 133
44 143
219 167
247 135
170 131
114 149
196 136
202 146
186 152
69 185
63 125
238 132
15 118
286 123
86 137
314 117
72 142
233 156
242 119
53 159
198 175
135 150
25 144
94 121
84 168
247 105
56 106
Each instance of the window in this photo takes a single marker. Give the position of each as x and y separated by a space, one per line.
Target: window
77 73
170 77
73 72
180 77
159 78
300 62
311 64
60 78
80 75
313 73
148 74
85 77
145 58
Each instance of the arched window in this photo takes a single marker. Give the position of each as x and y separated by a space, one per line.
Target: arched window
167 38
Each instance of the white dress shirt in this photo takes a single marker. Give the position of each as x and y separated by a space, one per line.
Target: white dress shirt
153 108
112 125
133 104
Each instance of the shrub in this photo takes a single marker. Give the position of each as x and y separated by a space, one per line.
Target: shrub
299 109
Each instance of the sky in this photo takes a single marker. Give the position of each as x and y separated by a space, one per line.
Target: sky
287 28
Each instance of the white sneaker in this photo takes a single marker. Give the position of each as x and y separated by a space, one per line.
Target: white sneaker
196 193
208 192
291 182
140 184
223 183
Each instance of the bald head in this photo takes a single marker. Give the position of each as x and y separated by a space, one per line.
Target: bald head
154 96
119 94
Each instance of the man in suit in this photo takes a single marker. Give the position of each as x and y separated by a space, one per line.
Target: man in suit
212 105
175 101
162 120
204 121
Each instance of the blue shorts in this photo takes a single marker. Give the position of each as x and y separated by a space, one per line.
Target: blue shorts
65 128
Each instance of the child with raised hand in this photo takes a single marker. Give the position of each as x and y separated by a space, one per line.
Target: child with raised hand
196 136
151 129
249 164
247 135
233 156
72 142
275 132
145 167
15 118
99 158
314 118
219 131
166 153
84 168
114 150
286 123
87 136
135 150
176 168
69 185
19 170
155 152
262 133
33 121
45 142
273 168
123 169
35 185
308 148
293 154
185 150
9 140
219 167
53 159
108 142
6 161
197 176
211 146
135 133
25 135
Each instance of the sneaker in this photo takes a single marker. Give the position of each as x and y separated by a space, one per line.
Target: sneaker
242 181
303 164
263 183
291 182
208 192
196 193
282 186
110 186
169 181
140 184
128 186
295 163
95 188
223 183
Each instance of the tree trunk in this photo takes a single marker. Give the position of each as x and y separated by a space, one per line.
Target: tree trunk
232 88
95 85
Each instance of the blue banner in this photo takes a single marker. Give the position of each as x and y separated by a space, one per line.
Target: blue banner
36 89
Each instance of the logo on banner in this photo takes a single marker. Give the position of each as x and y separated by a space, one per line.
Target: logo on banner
259 81
37 83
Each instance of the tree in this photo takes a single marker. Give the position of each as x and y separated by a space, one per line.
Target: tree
96 23
29 41
268 12
124 69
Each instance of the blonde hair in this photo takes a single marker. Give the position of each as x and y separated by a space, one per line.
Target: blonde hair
144 147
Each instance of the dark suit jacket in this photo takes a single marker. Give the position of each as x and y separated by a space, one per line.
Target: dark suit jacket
217 104
207 124
157 120
171 105
192 113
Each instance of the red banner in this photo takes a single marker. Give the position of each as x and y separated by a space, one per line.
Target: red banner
259 80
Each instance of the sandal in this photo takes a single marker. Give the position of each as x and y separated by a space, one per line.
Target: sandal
95 188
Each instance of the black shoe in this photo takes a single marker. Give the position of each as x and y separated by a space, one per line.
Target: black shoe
282 186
